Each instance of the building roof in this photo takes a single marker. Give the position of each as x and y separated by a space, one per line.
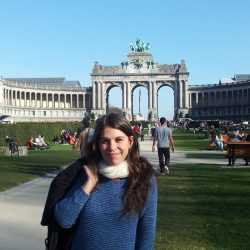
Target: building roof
48 83
218 85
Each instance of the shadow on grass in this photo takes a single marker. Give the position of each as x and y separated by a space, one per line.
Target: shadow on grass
215 155
37 170
14 171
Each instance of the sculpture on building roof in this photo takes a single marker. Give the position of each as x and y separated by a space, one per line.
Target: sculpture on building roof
139 46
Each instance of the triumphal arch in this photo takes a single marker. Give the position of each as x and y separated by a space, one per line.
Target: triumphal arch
139 69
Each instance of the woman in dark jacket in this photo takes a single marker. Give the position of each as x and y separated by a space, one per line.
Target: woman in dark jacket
112 202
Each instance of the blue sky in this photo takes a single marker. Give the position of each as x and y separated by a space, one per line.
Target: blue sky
64 38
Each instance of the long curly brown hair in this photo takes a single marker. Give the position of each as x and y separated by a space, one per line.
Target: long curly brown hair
140 170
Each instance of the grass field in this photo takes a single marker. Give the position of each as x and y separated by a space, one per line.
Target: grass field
200 206
204 207
14 171
185 140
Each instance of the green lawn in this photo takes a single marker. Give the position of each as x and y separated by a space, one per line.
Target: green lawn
200 206
185 140
14 171
204 207
212 155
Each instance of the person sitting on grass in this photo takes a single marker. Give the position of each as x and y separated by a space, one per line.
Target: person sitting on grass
31 144
41 144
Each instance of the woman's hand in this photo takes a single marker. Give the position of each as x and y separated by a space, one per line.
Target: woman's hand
91 181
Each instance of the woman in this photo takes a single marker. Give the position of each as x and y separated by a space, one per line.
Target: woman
113 202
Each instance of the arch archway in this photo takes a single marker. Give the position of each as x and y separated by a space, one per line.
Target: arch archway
114 97
140 70
139 100
165 101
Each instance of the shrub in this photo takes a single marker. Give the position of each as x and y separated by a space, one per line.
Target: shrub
23 131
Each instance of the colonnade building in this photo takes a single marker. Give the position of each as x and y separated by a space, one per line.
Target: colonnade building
223 101
43 99
57 99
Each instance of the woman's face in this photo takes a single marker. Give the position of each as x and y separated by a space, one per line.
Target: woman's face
114 145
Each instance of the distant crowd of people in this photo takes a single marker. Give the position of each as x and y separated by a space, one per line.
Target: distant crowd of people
66 137
220 138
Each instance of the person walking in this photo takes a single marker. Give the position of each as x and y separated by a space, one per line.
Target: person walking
164 140
112 201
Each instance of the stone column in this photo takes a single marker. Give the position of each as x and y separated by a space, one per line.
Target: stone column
124 97
4 99
18 100
47 100
83 100
103 95
25 99
176 98
4 96
154 95
180 94
77 100
59 100
11 97
154 100
35 100
53 100
93 95
186 102
150 96
71 101
14 98
7 95
29 99
128 101
98 95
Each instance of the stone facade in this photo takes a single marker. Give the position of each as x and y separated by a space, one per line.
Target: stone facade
55 99
223 101
139 69
43 99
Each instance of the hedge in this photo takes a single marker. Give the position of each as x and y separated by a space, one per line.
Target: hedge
23 131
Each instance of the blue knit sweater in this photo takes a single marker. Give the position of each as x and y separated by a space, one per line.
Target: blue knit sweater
100 223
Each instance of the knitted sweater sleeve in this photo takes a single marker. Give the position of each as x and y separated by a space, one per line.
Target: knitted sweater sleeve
146 228
68 209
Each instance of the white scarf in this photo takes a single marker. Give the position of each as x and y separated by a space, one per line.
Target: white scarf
114 171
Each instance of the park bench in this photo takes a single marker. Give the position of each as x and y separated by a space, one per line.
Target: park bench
238 150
